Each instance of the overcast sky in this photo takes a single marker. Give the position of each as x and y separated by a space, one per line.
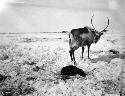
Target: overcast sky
58 15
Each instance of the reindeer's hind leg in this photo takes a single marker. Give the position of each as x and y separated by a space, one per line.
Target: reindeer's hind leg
73 57
72 50
71 54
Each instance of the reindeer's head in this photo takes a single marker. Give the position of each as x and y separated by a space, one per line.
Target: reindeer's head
98 34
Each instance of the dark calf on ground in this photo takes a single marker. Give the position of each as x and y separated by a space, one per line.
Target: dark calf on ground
71 70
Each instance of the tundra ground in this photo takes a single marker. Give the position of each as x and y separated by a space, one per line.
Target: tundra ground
34 61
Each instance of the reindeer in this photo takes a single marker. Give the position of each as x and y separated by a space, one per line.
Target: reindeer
84 37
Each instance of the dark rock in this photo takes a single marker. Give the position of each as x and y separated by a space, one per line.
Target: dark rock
30 78
28 90
7 92
36 68
3 77
4 57
30 63
114 51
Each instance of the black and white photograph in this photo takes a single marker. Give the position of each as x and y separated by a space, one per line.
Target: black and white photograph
62 47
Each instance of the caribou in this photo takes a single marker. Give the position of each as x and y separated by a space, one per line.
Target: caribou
84 37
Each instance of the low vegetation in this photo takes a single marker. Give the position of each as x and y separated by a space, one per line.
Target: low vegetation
34 69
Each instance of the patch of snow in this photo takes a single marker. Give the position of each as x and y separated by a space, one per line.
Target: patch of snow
108 71
101 45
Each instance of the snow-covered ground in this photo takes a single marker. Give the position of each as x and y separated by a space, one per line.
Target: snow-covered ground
22 54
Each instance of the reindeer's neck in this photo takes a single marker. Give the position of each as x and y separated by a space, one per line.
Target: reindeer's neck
97 37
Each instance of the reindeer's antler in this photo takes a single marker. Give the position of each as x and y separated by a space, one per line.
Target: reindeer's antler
106 26
91 21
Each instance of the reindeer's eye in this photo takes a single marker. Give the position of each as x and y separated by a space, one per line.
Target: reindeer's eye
93 32
101 33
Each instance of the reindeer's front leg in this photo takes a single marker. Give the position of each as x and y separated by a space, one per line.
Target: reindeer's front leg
73 50
82 51
88 51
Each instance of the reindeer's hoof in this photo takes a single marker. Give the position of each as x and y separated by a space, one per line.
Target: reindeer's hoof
81 58
89 58
74 62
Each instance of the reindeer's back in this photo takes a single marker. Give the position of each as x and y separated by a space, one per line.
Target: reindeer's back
77 32
81 36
